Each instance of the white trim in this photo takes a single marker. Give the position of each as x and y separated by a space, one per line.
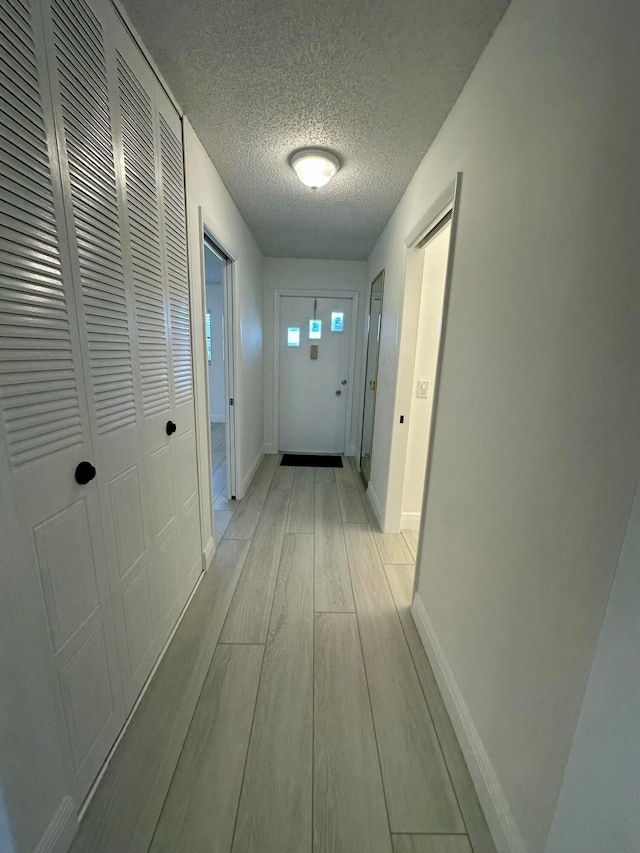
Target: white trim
145 687
351 451
270 449
410 520
376 506
500 820
231 356
248 477
435 212
207 554
62 829
336 294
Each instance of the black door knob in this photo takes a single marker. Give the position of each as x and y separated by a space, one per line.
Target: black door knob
171 427
84 473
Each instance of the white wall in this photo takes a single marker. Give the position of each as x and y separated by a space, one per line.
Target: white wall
299 274
598 809
206 191
434 274
537 439
217 395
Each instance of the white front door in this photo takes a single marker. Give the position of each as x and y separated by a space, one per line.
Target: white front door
315 337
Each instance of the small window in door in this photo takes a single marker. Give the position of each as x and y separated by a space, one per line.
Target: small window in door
315 330
293 336
337 321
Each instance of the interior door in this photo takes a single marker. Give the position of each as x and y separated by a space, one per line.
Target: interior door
183 439
314 392
84 88
46 428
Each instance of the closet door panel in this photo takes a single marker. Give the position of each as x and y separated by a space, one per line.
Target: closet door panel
84 89
45 423
177 276
139 154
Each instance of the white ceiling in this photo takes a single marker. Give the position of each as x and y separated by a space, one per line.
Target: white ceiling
371 79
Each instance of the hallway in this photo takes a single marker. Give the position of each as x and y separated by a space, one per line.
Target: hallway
295 709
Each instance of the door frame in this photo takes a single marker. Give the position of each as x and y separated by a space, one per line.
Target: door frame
321 294
446 206
205 232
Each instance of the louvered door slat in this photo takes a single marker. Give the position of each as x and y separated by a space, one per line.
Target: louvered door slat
89 153
144 234
176 261
32 299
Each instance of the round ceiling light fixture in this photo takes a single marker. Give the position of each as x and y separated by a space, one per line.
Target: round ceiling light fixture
315 167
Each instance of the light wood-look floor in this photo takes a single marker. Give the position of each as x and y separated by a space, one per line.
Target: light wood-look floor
223 508
295 710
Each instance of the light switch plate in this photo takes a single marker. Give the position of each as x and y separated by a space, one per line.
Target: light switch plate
423 388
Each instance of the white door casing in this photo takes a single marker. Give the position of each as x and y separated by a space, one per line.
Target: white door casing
314 396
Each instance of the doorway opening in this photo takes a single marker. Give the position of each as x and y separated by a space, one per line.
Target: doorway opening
435 247
218 270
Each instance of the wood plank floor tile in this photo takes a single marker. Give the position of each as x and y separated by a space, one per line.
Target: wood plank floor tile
283 477
275 806
348 799
325 475
200 810
221 520
123 814
349 495
219 481
411 538
224 503
245 519
419 794
431 844
401 583
392 547
250 609
332 581
301 508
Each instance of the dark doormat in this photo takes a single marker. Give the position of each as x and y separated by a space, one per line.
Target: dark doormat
310 460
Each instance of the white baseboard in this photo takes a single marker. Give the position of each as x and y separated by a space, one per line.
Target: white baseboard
252 470
207 554
410 521
376 506
351 451
502 825
270 448
62 829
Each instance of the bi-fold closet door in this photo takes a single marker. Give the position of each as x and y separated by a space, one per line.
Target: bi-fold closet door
95 357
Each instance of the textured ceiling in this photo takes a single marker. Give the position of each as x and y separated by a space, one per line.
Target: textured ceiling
372 80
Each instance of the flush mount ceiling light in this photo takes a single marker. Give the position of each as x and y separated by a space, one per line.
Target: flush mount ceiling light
315 167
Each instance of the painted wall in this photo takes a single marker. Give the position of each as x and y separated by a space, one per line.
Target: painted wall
206 192
216 368
426 355
297 274
598 805
537 439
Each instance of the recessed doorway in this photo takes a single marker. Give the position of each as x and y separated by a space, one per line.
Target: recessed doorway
218 269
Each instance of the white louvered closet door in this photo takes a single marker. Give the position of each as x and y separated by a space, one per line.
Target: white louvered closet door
45 419
138 144
79 59
176 271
